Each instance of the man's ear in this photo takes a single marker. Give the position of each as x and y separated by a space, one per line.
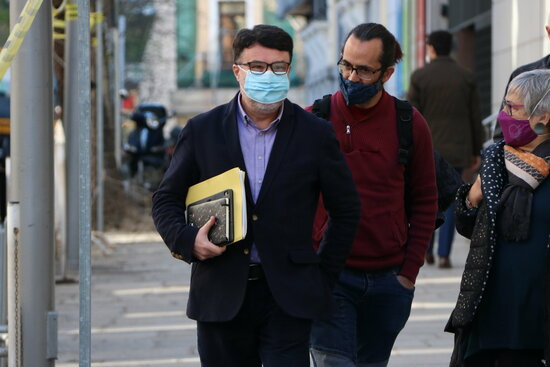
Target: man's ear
388 73
236 70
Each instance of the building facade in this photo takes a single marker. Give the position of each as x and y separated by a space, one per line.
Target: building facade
493 37
205 32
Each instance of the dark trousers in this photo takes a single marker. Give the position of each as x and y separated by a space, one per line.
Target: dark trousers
261 333
506 358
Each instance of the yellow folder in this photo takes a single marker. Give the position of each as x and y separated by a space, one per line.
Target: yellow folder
233 180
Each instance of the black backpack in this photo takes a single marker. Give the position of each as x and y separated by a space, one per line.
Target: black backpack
447 179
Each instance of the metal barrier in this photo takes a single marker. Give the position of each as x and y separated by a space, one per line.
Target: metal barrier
3 295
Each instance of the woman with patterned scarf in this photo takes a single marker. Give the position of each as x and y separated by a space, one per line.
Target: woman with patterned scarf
501 316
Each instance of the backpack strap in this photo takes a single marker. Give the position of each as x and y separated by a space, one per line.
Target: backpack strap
404 130
321 107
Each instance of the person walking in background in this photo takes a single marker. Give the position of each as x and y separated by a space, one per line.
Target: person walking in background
501 317
375 290
447 96
254 300
543 63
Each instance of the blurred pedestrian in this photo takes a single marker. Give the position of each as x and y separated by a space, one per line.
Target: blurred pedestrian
543 63
254 300
447 96
501 316
374 292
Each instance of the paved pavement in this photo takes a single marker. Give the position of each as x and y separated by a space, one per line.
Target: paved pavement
139 294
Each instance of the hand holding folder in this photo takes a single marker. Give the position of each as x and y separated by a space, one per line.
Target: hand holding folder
222 196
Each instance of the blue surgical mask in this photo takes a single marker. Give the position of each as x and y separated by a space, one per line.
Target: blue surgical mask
358 93
266 88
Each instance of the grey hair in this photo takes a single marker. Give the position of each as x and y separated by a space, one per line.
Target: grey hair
533 87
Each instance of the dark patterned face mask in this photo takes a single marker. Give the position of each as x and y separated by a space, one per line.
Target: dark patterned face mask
358 93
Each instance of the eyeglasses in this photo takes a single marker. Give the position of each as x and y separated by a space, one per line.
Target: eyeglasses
509 108
260 67
363 72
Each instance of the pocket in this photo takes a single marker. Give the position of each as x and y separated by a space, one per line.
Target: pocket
385 233
304 256
401 286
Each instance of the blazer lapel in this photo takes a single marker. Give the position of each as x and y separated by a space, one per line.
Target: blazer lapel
231 134
284 132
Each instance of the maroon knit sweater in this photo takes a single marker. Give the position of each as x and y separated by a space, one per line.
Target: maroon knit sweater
385 236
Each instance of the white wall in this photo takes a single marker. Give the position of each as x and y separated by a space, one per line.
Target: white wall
518 38
160 56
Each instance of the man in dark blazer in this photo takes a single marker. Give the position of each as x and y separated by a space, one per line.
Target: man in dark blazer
446 94
254 300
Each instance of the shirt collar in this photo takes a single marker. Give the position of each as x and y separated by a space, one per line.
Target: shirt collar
249 122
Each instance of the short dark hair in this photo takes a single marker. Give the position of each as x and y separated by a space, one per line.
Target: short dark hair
266 35
441 41
391 50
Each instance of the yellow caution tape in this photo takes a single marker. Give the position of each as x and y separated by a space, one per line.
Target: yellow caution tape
17 34
95 18
71 12
58 23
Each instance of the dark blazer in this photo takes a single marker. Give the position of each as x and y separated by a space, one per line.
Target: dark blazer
305 161
446 95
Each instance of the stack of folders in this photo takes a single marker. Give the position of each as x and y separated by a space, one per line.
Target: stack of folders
222 196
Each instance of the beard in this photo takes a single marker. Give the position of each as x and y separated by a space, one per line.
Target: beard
261 108
265 108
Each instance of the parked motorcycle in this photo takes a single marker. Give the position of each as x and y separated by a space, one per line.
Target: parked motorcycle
145 148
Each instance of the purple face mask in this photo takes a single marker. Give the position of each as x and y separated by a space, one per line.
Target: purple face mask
516 132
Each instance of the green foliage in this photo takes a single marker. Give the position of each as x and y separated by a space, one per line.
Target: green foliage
140 15
4 21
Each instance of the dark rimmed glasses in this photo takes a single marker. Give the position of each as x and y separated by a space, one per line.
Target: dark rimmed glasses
363 72
260 67
509 107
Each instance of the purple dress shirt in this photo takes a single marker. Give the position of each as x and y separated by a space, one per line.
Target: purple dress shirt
256 147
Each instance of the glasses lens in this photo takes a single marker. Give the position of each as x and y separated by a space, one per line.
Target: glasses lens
279 67
257 67
508 108
364 74
344 68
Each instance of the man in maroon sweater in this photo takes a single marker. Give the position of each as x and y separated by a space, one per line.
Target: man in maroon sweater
375 291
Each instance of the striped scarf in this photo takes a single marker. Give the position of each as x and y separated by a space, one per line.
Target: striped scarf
526 171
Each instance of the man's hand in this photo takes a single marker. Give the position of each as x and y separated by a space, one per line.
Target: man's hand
405 282
203 248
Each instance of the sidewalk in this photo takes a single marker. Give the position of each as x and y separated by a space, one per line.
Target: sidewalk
138 310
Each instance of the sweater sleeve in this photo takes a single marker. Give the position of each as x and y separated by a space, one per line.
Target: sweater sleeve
422 198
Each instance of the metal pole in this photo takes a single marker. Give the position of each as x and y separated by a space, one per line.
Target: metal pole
118 132
84 140
32 185
14 285
122 50
71 117
99 117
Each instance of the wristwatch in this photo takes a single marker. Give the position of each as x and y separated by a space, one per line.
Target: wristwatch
468 203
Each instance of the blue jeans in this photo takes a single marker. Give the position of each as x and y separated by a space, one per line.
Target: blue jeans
446 231
446 234
370 311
